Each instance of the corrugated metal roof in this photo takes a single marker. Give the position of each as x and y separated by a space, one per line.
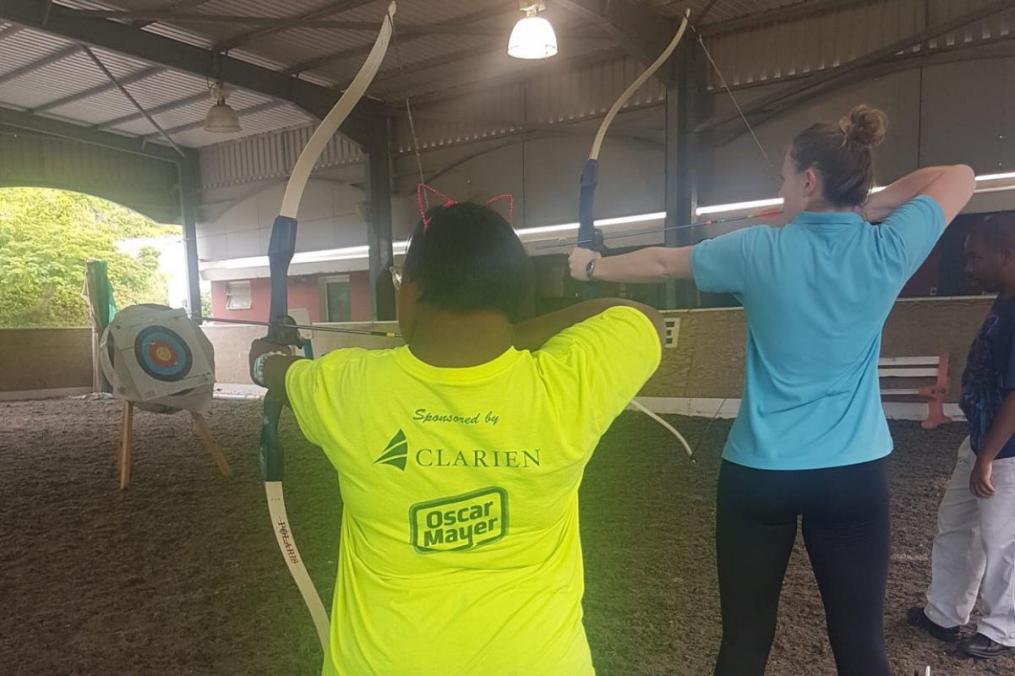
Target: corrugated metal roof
469 67
722 10
555 98
429 62
74 72
26 47
192 113
267 156
796 48
261 122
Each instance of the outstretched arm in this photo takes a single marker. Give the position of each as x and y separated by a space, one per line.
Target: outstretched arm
652 264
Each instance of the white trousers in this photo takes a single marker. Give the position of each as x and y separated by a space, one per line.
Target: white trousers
974 552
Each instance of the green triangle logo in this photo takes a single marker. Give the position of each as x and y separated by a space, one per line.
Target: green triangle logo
395 453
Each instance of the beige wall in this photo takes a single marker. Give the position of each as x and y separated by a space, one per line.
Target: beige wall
45 359
707 361
709 358
232 344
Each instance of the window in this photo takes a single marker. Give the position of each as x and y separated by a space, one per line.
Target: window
337 296
238 295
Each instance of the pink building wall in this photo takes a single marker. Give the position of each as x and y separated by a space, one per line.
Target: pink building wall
304 292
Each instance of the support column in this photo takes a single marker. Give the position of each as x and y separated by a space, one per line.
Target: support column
190 182
382 291
684 106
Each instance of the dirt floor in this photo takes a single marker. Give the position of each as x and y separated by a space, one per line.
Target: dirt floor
181 574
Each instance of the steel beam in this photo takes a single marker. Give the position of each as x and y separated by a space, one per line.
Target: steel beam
129 144
1001 49
189 182
642 33
362 50
133 101
125 39
685 105
327 10
379 237
815 84
794 12
271 24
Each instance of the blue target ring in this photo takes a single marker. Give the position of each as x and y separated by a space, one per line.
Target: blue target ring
163 354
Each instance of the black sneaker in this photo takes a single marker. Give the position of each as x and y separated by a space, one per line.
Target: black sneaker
982 647
917 618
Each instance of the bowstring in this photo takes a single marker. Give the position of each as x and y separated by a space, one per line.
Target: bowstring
408 113
562 241
733 98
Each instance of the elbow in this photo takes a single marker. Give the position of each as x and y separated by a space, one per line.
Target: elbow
663 269
675 263
966 176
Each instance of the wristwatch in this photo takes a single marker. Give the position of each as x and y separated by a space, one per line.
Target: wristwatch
257 370
590 268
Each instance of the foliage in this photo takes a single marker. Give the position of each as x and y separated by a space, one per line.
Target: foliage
46 236
206 310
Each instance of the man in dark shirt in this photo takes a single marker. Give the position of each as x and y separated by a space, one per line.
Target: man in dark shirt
974 551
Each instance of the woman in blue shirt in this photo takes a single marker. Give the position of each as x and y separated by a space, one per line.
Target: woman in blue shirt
810 438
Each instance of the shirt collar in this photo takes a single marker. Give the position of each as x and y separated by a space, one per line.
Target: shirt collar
471 374
829 218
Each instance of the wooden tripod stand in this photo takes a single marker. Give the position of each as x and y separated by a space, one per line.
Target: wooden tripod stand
200 427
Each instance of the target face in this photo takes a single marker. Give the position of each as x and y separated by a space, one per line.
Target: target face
163 354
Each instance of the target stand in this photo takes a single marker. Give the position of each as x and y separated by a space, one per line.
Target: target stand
158 360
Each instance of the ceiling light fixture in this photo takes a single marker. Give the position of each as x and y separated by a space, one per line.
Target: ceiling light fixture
533 36
221 118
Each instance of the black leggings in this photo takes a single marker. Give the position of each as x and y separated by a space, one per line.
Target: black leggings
845 525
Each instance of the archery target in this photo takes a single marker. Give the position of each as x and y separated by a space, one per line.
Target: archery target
155 355
163 354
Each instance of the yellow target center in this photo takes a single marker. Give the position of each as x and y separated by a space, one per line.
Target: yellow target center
163 354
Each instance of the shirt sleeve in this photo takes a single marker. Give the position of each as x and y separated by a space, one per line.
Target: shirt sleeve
721 265
910 233
596 367
313 389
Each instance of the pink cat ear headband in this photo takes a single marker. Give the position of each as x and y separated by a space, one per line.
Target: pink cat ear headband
445 201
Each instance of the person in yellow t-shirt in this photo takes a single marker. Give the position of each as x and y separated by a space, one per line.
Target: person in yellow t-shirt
460 456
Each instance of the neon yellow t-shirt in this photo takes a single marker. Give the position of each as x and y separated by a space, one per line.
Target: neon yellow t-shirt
460 550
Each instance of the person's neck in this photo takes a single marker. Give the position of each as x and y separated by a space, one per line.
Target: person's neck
450 340
823 206
1007 289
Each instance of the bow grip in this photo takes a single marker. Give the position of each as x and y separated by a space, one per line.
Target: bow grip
589 236
281 248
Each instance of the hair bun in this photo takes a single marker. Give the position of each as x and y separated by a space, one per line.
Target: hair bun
864 126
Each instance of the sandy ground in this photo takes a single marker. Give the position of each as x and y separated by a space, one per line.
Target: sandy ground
181 574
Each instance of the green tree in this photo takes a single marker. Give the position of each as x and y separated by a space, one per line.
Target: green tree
46 236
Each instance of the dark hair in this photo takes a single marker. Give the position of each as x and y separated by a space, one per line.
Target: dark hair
843 153
996 231
470 258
